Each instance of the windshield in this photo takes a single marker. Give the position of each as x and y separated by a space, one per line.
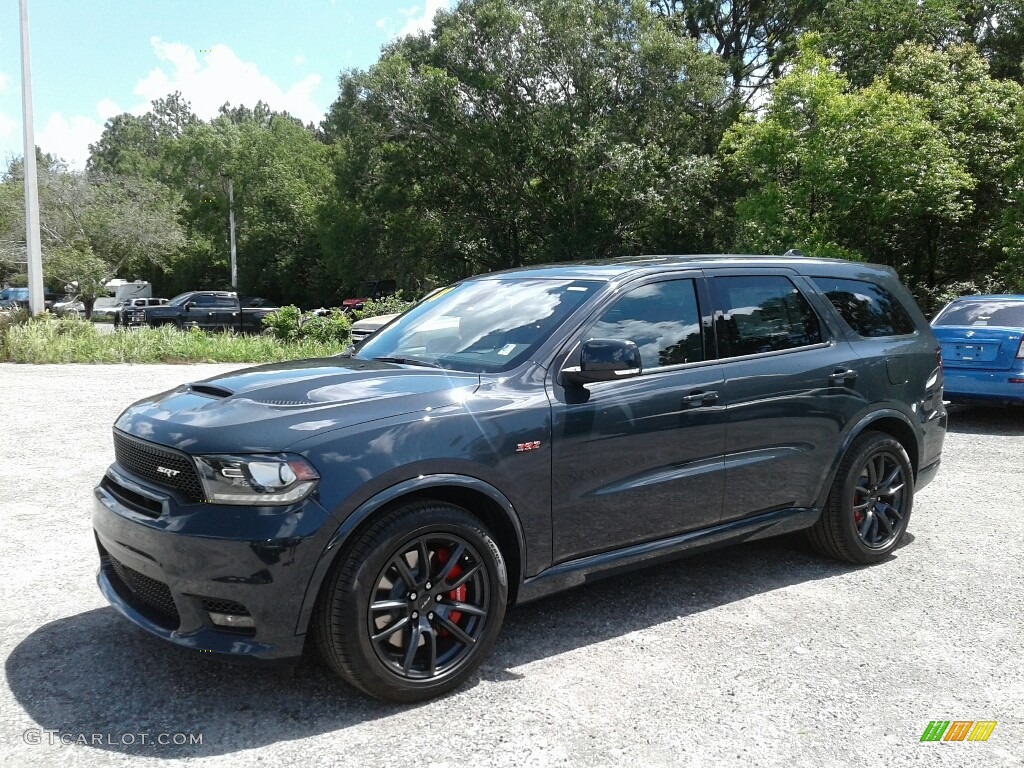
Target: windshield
480 326
1005 313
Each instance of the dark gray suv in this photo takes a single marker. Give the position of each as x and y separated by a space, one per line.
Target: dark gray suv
511 436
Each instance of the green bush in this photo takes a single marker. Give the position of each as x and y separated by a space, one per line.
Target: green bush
71 340
326 329
389 305
284 323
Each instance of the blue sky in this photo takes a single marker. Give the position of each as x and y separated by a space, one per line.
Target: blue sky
93 60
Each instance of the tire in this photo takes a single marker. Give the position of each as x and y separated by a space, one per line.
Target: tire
416 641
855 525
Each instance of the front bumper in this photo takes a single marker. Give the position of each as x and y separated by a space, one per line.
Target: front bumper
167 565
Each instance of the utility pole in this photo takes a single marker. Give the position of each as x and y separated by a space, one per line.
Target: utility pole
231 223
34 254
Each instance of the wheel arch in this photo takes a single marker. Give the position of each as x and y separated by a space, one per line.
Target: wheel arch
477 497
888 421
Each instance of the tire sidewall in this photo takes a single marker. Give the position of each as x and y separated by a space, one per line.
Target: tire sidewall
357 586
843 505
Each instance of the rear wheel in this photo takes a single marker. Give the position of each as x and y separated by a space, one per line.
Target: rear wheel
868 508
415 605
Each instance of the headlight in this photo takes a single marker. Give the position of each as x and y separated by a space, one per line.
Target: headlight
256 480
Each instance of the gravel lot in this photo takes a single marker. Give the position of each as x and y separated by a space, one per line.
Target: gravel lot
756 655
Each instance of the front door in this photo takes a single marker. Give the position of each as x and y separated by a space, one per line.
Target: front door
640 459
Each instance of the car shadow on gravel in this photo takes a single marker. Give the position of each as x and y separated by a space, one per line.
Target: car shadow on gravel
95 674
985 420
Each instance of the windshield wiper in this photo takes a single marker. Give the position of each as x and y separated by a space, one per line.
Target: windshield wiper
408 361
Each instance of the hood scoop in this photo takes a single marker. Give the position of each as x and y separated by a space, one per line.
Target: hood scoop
211 390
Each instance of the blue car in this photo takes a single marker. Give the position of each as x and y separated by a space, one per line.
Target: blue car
982 349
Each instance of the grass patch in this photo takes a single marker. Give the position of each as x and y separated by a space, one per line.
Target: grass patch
70 340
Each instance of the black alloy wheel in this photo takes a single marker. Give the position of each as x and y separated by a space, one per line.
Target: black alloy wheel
879 500
869 505
414 603
429 606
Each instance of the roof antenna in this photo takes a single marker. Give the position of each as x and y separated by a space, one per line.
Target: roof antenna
793 252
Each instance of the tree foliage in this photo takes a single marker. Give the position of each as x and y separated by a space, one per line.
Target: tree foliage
915 170
524 132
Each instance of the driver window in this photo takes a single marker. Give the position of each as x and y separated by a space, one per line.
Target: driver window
662 319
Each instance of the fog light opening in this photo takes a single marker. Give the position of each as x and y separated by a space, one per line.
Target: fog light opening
232 620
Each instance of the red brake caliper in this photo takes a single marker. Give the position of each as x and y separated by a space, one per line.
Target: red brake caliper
458 594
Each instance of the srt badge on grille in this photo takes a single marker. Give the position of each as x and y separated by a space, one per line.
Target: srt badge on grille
168 472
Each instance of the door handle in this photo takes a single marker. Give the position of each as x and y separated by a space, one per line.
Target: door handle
843 377
700 398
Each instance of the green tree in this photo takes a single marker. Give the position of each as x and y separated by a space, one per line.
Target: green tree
131 145
755 38
281 176
94 226
859 173
523 132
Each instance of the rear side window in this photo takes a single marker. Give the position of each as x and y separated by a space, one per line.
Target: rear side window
869 309
761 314
661 318
1004 313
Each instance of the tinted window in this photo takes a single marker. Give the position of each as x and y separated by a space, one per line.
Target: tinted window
661 318
202 301
868 309
761 314
224 302
998 312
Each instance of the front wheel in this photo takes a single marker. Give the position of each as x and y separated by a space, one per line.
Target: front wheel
415 604
868 508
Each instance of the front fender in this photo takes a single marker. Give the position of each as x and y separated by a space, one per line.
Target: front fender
376 502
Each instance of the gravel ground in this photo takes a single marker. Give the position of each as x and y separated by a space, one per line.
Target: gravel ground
756 655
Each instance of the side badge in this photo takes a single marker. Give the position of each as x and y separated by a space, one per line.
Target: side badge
520 447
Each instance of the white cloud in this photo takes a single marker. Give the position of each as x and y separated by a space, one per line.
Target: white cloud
69 138
7 127
381 23
421 22
223 77
299 60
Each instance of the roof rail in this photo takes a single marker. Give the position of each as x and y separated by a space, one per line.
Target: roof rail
793 252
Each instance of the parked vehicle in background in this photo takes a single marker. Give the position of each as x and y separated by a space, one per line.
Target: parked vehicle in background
982 340
512 436
19 296
103 309
69 306
208 310
363 329
129 304
367 291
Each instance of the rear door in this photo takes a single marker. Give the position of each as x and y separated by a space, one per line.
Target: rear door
791 385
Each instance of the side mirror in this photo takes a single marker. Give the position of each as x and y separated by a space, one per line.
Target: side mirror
189 305
604 360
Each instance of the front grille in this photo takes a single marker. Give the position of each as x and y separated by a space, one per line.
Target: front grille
150 592
216 605
143 459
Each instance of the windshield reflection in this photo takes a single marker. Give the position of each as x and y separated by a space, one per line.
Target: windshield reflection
480 326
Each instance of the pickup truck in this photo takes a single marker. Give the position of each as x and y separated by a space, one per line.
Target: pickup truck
367 291
207 310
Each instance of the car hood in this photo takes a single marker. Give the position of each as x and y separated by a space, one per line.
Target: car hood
269 407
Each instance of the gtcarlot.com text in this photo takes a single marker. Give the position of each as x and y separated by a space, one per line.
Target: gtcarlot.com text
53 737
